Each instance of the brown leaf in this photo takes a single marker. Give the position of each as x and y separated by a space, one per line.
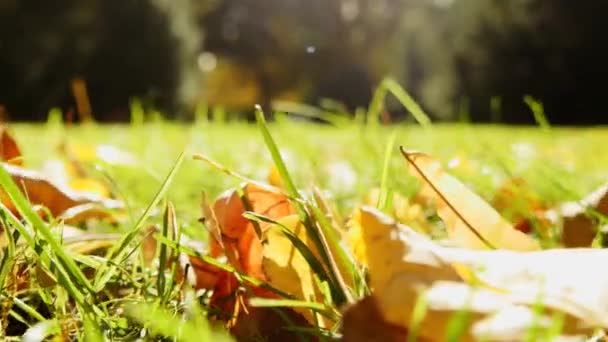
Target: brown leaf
149 244
268 324
363 321
470 221
57 199
579 228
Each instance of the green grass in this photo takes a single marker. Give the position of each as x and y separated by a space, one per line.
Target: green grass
558 164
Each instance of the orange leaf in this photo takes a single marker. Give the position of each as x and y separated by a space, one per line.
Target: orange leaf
9 150
239 234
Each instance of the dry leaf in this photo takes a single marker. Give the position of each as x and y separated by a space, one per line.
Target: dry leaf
268 324
149 244
236 237
275 261
9 150
579 229
57 199
403 210
364 322
284 266
515 198
470 221
498 286
239 235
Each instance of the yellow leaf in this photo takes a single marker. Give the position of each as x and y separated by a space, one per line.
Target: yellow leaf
403 210
470 221
285 267
396 258
406 268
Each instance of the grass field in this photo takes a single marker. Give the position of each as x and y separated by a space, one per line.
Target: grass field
558 164
562 164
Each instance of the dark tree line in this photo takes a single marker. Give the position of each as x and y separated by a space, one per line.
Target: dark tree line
121 49
478 57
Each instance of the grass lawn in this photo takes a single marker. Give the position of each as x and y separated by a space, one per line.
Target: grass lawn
562 164
558 164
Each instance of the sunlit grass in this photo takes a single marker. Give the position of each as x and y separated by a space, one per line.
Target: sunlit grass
557 163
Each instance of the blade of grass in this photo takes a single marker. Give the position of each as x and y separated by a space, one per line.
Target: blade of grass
8 257
390 85
68 273
161 322
383 198
375 105
331 241
24 207
418 314
407 101
118 253
302 248
291 303
174 266
341 293
538 110
311 112
169 224
92 332
28 309
18 225
227 171
458 324
276 155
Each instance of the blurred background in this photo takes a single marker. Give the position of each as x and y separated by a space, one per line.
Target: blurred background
462 60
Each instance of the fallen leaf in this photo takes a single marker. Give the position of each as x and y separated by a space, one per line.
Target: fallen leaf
364 322
579 229
235 237
239 234
56 198
470 221
515 199
9 150
269 324
208 275
284 266
403 210
149 244
501 285
272 258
